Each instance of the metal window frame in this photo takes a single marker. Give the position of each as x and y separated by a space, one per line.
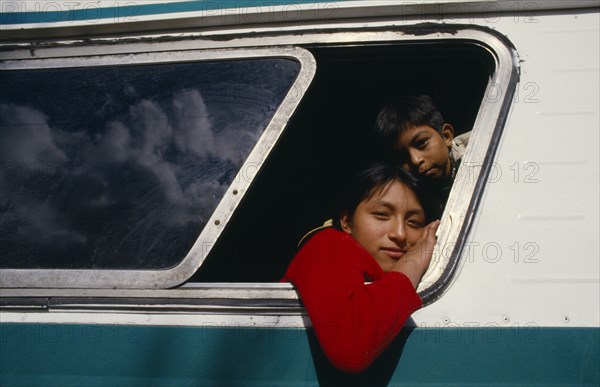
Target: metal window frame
466 192
166 278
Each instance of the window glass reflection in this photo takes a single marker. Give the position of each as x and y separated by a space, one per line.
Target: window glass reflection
121 166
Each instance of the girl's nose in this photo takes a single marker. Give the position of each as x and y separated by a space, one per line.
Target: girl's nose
397 232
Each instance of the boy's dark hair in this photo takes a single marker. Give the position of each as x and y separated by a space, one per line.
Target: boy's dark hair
402 113
376 177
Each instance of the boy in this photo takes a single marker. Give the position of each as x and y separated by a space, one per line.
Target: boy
421 142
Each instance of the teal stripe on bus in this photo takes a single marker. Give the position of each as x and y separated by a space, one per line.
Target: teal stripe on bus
129 355
54 12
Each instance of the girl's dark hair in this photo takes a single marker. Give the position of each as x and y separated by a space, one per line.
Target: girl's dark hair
375 177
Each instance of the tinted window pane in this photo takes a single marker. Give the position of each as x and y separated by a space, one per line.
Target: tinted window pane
121 166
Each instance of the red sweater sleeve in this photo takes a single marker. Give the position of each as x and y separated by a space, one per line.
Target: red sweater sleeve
354 322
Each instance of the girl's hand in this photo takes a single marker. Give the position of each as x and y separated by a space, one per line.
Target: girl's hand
416 260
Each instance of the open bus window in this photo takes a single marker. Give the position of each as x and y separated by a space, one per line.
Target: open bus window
331 137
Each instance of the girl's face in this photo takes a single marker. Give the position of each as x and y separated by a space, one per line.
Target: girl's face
387 224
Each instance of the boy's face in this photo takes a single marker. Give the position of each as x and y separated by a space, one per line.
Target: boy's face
425 152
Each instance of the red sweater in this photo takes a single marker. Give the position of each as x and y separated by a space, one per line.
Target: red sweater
354 322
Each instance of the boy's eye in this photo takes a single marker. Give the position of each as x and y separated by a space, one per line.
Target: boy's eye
400 157
421 143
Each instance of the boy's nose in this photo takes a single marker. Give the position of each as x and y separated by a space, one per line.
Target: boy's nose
416 158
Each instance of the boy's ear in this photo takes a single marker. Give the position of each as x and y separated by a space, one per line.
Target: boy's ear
448 134
346 223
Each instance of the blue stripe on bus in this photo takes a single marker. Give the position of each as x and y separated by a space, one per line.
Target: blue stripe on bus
105 355
53 12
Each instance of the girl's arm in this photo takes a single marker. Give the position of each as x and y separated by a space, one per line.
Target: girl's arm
353 321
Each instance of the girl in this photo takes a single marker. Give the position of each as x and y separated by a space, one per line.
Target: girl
381 236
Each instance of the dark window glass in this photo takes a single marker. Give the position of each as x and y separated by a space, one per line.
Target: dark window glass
120 167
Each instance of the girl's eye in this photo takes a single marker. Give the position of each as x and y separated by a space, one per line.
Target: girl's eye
416 223
380 215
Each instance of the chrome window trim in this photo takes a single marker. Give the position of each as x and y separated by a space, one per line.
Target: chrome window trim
103 20
474 171
260 298
460 212
153 279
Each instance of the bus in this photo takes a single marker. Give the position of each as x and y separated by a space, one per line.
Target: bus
160 161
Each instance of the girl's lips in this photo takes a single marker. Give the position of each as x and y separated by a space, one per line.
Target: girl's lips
393 252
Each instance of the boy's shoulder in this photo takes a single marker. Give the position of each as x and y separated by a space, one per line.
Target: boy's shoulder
462 140
459 145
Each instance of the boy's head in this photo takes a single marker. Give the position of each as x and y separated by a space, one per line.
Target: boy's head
419 139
